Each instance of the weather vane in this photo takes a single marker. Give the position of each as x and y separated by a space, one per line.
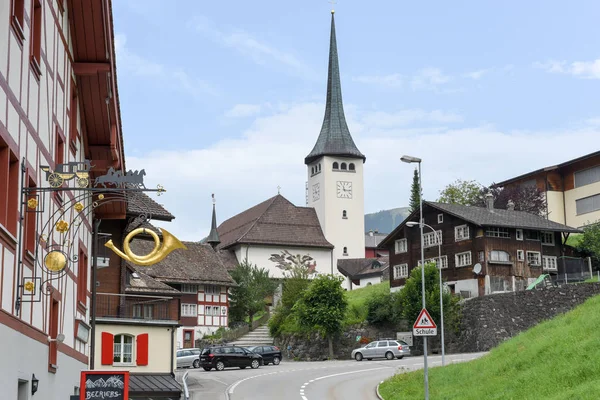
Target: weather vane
278 189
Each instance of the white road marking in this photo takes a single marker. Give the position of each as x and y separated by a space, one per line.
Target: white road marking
341 373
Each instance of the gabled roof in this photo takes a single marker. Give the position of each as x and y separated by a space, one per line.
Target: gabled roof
482 216
335 138
276 221
228 259
146 284
360 267
371 241
198 264
139 203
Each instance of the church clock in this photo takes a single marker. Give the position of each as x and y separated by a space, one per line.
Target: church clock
344 190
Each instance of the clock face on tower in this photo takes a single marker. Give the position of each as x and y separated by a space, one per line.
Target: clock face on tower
344 190
316 192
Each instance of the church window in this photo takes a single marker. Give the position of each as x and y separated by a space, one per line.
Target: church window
344 214
351 167
312 170
345 251
319 168
336 165
344 166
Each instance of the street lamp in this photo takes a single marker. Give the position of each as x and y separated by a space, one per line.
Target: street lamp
439 241
410 160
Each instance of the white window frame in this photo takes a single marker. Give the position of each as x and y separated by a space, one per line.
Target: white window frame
212 290
519 234
552 260
435 260
401 246
539 258
440 218
120 347
497 232
400 271
430 239
189 310
481 256
189 288
492 260
520 255
459 233
546 235
457 257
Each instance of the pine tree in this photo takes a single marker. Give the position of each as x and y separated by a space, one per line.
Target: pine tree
414 193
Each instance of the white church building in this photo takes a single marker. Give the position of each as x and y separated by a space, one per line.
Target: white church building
331 227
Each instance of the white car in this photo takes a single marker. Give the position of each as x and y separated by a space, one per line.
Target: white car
389 349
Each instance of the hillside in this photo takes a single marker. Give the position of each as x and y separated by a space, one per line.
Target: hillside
385 221
556 359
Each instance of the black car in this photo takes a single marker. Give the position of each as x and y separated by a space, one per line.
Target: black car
221 357
270 354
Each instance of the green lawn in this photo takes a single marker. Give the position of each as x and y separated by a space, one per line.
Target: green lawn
558 359
357 301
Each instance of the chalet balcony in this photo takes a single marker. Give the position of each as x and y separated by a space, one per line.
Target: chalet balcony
136 307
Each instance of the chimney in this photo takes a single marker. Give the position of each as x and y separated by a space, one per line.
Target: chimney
376 230
489 201
370 232
510 206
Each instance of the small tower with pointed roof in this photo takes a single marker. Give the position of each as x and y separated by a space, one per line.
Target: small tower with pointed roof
335 185
213 236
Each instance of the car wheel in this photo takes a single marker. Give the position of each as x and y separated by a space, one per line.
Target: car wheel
220 366
358 357
207 368
255 364
276 361
196 364
389 355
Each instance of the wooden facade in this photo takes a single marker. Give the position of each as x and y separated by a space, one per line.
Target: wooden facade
501 258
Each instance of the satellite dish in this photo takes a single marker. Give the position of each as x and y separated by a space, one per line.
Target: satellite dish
477 269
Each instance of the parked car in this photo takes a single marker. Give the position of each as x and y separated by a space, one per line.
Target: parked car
188 358
382 348
221 357
270 354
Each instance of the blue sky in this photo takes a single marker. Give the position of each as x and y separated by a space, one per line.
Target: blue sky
228 97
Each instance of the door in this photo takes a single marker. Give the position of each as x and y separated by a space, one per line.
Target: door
188 339
370 350
382 347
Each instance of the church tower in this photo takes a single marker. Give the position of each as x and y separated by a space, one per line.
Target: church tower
335 172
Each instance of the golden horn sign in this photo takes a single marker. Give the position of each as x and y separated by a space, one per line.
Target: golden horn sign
157 254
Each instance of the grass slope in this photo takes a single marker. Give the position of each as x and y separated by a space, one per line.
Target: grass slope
357 301
557 359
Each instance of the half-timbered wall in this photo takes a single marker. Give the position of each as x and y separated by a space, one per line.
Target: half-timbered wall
38 123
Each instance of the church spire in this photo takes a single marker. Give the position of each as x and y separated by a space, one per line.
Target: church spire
213 236
335 138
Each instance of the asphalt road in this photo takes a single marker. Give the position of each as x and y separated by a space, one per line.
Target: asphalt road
319 380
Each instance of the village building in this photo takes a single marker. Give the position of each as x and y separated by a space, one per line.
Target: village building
363 272
372 240
572 189
59 104
483 249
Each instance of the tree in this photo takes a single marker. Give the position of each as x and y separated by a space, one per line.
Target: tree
589 242
525 198
322 307
415 195
467 193
254 285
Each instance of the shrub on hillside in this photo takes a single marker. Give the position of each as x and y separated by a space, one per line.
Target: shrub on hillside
380 309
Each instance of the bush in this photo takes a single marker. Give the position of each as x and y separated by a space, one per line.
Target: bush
380 309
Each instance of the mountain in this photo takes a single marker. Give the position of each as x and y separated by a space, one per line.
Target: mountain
385 221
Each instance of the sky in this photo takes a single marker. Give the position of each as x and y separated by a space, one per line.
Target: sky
228 97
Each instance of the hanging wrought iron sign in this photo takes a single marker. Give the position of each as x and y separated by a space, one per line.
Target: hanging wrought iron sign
56 247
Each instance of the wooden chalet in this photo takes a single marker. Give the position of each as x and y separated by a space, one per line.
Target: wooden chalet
484 250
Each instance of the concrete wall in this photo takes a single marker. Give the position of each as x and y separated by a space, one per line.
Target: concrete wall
373 280
489 320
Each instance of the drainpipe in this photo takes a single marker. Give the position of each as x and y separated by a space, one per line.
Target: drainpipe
172 348
95 245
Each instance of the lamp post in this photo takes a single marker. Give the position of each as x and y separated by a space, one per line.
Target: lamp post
439 241
410 160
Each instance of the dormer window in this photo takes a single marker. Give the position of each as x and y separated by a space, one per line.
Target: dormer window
344 166
336 165
351 167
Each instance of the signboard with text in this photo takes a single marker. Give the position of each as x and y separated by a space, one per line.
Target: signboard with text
424 325
104 385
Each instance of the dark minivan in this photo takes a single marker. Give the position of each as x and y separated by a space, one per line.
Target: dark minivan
270 354
221 357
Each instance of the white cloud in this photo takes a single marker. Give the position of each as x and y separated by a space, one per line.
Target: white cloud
130 62
244 110
392 80
580 69
478 74
429 79
259 51
247 170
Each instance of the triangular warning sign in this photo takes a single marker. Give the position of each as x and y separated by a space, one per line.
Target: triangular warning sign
424 320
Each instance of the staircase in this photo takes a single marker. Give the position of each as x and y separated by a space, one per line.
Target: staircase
257 337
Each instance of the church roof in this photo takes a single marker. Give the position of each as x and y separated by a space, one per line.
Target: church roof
275 221
335 138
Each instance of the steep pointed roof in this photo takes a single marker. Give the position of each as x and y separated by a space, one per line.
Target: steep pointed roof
276 221
213 236
335 138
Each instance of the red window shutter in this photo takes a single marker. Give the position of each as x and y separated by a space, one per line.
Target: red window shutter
107 348
142 349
